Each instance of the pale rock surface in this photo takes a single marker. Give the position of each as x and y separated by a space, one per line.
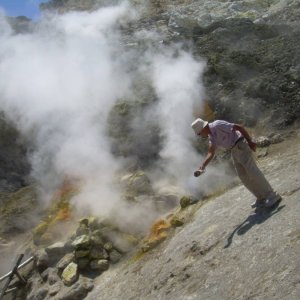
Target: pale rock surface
227 251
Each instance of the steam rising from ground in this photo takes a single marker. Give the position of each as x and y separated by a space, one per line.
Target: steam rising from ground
177 81
61 80
58 84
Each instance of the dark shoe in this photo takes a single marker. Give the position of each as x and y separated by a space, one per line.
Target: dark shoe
273 200
259 203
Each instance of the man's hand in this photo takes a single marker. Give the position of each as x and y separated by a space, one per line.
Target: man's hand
252 145
199 172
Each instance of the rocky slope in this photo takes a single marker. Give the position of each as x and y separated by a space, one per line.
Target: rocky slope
221 248
226 250
215 248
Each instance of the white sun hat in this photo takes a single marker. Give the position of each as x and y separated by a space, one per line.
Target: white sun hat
198 125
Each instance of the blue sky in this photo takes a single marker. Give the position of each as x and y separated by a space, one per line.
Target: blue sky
28 8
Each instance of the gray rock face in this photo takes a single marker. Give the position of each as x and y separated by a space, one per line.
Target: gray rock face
240 80
82 242
78 291
56 252
69 5
54 289
50 275
39 294
228 251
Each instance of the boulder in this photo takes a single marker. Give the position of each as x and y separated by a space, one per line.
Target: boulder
82 253
185 201
98 253
114 256
97 238
93 223
176 222
82 230
70 274
67 259
82 242
137 183
275 138
83 263
99 265
56 252
84 222
166 202
108 246
263 141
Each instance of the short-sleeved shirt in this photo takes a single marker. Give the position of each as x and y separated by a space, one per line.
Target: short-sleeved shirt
222 134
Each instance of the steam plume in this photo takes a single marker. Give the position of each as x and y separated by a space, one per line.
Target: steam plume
60 82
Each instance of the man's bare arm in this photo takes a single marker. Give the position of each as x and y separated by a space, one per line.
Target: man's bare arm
210 155
246 135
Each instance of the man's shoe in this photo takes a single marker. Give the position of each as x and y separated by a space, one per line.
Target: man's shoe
273 200
259 203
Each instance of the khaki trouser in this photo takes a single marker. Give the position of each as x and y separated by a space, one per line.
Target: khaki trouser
249 173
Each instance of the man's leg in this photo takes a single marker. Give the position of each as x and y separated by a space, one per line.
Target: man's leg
254 178
246 180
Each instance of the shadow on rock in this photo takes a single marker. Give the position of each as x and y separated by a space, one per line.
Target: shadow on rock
257 218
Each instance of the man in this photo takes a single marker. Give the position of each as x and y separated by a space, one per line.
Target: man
236 138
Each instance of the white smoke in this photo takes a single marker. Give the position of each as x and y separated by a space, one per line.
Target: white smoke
177 80
59 83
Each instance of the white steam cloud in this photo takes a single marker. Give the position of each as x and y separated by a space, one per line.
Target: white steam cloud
59 83
177 82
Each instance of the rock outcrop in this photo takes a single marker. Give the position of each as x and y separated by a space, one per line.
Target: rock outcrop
65 269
